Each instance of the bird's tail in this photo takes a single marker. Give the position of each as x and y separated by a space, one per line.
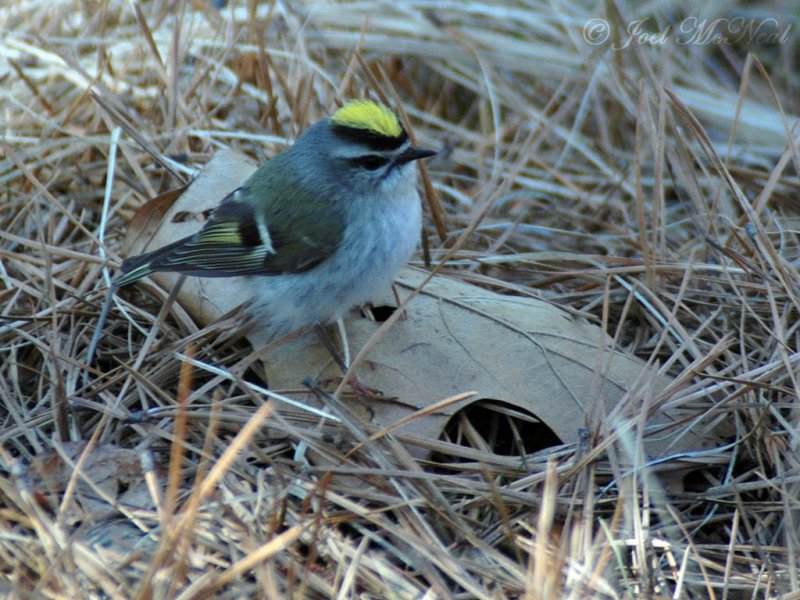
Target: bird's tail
135 268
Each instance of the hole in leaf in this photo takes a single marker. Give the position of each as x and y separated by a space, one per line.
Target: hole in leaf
499 427
382 313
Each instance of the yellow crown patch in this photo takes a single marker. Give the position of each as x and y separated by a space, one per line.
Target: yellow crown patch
368 115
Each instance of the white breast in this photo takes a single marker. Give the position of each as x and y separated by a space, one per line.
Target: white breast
381 235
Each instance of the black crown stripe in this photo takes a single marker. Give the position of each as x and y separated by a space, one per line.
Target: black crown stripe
374 140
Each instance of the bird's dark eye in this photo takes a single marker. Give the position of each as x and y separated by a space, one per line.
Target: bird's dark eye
371 162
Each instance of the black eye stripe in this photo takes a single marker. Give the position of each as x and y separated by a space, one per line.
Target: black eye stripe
370 162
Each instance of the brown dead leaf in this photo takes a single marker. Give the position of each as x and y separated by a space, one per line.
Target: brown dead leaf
147 220
458 337
112 476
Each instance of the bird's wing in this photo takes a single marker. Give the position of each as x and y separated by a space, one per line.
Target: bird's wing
239 239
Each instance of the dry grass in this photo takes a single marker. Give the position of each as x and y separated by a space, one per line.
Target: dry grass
653 188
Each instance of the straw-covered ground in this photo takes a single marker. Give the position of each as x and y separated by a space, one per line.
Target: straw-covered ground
635 163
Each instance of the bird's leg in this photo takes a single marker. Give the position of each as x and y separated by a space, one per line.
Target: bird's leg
330 347
399 302
362 392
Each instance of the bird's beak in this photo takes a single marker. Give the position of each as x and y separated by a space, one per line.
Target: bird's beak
412 153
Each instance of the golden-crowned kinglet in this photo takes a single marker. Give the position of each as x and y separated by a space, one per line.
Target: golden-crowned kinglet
321 227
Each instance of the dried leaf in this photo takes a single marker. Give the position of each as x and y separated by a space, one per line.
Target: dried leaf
148 219
457 337
115 474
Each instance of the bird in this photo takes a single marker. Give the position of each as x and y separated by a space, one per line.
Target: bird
323 226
